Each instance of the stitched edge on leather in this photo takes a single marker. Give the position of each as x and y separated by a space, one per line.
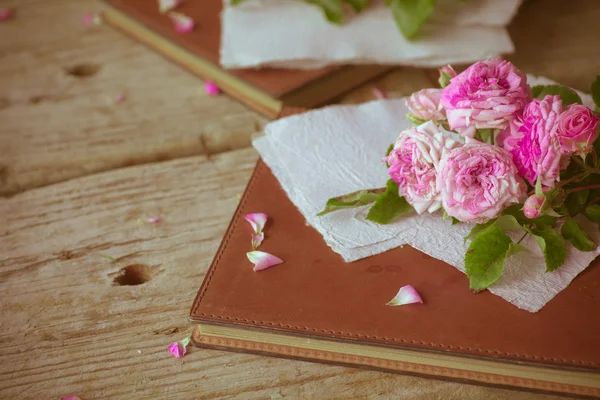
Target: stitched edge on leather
400 366
257 172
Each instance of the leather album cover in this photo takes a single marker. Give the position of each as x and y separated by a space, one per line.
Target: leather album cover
314 294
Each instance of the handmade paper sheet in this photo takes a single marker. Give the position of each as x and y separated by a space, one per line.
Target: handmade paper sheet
337 150
293 34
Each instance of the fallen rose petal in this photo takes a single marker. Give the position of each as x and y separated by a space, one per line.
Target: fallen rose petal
378 94
165 6
6 14
121 97
257 220
262 260
211 88
257 239
153 220
92 19
406 295
178 349
181 22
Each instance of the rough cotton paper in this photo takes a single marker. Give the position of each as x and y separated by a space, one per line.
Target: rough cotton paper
293 34
337 150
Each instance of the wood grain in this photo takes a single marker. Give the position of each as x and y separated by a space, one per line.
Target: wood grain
67 329
58 80
66 155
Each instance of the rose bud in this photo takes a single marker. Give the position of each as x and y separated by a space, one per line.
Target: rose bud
533 205
577 129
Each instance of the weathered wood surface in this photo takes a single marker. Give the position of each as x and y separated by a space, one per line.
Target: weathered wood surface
65 328
68 329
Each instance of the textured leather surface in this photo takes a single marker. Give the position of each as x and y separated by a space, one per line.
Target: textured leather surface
204 40
314 293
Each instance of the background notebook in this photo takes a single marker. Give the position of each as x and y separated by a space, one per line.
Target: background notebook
266 90
316 307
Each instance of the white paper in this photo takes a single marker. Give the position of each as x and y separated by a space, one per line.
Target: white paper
337 150
293 34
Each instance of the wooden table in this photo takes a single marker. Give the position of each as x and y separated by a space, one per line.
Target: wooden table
78 171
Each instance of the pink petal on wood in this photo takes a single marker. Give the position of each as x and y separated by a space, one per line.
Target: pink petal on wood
257 239
121 97
6 14
262 260
178 349
92 19
257 220
378 94
406 295
181 22
165 6
211 88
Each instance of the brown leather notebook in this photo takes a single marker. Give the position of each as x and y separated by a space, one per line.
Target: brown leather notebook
265 90
316 307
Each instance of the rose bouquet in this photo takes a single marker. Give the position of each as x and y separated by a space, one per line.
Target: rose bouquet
490 150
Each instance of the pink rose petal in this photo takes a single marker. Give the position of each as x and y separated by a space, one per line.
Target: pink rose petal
262 260
6 14
121 97
178 349
406 295
378 94
257 220
181 22
257 239
92 19
165 6
211 88
153 220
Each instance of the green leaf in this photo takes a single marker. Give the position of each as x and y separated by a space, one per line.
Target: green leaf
515 248
414 120
410 15
485 134
567 95
389 150
552 245
508 222
388 206
596 91
592 212
576 200
572 232
236 2
477 229
333 9
455 221
484 261
357 5
351 200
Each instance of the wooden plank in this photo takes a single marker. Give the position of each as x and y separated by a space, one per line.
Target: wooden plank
58 80
66 328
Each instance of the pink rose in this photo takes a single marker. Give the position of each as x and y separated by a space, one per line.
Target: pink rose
488 94
477 181
414 162
577 129
425 104
533 205
535 146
